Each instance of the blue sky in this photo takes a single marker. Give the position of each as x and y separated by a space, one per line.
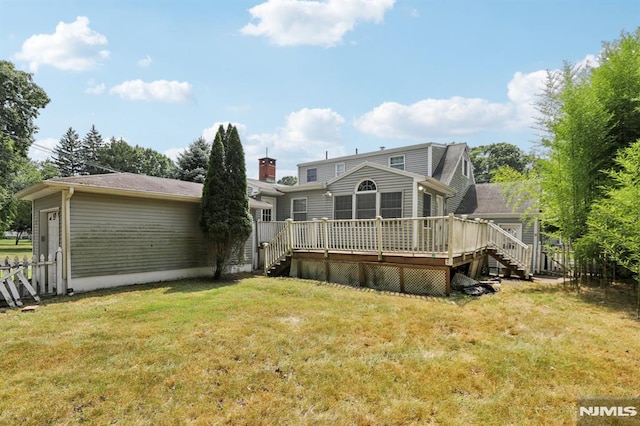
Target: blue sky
301 78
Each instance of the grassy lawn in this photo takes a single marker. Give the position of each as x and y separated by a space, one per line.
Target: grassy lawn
284 351
9 248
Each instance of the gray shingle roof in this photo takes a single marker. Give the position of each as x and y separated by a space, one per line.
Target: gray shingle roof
138 183
446 168
485 199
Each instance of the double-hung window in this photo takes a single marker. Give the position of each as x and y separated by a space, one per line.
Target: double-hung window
391 204
299 208
366 194
312 175
397 162
342 207
339 169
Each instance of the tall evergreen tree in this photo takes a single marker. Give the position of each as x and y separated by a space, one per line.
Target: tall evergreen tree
67 155
192 163
91 146
224 216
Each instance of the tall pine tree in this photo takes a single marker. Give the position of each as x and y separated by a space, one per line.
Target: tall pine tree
90 148
192 163
224 217
67 155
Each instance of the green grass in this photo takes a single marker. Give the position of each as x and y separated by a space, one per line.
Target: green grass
9 248
284 351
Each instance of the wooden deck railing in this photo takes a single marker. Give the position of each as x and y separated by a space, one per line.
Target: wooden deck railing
441 236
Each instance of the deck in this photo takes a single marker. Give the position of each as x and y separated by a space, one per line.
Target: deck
436 243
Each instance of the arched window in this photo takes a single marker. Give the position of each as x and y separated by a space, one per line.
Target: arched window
366 185
366 199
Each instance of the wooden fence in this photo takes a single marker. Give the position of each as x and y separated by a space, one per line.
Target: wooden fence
30 278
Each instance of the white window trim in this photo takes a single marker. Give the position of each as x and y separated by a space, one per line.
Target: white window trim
306 206
307 174
404 162
344 169
333 207
355 190
465 167
379 202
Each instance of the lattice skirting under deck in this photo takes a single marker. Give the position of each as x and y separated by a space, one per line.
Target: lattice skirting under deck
386 277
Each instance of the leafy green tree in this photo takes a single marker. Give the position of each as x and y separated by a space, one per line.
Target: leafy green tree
487 159
29 173
288 180
192 163
118 155
68 155
90 148
20 102
614 221
224 217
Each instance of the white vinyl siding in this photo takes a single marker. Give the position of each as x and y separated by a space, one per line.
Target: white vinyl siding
416 160
385 181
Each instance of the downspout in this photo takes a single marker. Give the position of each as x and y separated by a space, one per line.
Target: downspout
66 235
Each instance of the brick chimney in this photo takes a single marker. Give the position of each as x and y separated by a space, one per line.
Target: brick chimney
267 170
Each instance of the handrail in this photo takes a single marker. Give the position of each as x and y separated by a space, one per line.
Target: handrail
516 251
441 236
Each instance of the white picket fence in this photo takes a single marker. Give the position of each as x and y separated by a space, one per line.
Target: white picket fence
30 277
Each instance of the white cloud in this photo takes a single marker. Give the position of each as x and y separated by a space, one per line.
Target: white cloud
318 23
73 47
145 62
305 136
173 153
95 89
440 118
41 149
159 90
434 118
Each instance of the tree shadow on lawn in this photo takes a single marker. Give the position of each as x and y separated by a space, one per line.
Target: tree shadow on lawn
618 297
187 285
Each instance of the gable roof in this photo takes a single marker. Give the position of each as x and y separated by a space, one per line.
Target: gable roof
488 199
446 169
125 184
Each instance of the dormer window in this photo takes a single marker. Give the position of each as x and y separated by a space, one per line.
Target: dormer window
397 162
465 167
312 175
